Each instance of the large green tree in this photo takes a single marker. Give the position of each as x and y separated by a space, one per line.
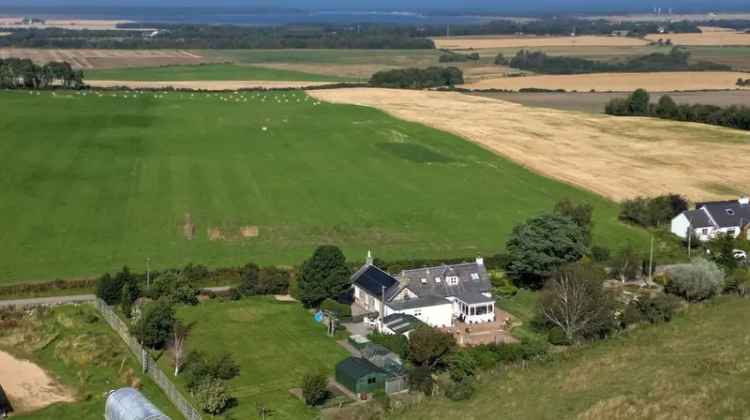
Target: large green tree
324 275
581 214
429 347
154 327
541 245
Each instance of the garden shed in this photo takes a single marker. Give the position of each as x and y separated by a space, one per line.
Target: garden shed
360 376
129 404
5 407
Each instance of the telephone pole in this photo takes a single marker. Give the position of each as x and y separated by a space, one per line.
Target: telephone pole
148 272
651 261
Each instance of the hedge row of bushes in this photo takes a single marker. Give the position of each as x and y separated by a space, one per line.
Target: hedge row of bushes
415 78
39 288
454 57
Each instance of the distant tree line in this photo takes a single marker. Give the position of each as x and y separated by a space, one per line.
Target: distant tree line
562 27
454 57
639 104
16 73
418 78
222 37
676 60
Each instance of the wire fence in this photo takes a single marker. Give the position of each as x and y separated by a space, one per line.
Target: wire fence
149 365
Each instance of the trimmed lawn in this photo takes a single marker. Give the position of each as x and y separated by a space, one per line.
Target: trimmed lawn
275 344
206 72
75 346
696 367
91 183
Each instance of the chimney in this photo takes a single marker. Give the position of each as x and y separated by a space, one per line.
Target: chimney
480 261
744 200
369 260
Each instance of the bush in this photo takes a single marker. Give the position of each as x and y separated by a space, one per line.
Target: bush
341 310
185 294
653 212
600 254
234 294
397 343
109 288
738 282
418 78
420 379
696 281
212 396
653 310
462 365
155 325
556 336
199 368
461 390
315 388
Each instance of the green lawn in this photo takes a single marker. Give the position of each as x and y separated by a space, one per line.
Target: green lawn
275 344
696 367
78 349
206 72
92 183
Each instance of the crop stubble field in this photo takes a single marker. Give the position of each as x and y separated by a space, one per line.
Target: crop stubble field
87 59
616 157
91 183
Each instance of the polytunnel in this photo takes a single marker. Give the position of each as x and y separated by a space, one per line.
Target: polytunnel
129 404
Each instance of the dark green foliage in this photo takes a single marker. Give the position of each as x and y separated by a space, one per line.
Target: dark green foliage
454 57
273 281
660 308
460 390
130 293
155 325
420 379
733 116
173 285
198 368
626 263
638 102
721 251
185 294
340 309
501 60
540 246
234 294
695 281
315 388
581 214
109 288
738 282
249 282
418 78
429 347
18 73
324 275
599 254
653 212
557 337
676 60
212 396
397 343
462 365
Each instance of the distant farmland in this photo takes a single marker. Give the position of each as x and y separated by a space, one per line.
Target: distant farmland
505 41
92 183
205 72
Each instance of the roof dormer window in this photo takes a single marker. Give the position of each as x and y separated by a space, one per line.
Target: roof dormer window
475 276
437 279
423 280
452 280
730 212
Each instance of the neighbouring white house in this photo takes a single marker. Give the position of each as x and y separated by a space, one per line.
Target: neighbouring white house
437 296
710 219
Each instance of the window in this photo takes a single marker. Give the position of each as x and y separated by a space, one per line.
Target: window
418 312
730 212
475 276
452 280
437 279
424 280
372 380
704 231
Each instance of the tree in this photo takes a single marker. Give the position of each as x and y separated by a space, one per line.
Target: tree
699 280
324 275
180 333
667 107
541 245
575 301
249 281
315 388
155 326
428 347
626 263
638 102
130 293
581 214
108 290
721 251
212 396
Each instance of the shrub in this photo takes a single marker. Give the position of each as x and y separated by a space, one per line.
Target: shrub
341 310
185 294
212 396
652 212
396 343
738 282
556 336
600 254
234 294
199 368
418 78
461 390
660 308
696 281
462 365
154 327
420 379
109 289
315 388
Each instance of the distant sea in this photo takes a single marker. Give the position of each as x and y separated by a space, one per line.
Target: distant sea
235 16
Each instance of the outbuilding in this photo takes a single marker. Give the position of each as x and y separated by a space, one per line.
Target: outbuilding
129 404
360 376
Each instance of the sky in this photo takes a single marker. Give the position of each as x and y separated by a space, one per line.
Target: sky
494 5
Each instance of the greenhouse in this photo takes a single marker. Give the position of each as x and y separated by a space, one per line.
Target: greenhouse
129 404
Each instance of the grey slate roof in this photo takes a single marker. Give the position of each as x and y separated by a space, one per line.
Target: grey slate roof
727 213
420 302
467 286
372 279
698 218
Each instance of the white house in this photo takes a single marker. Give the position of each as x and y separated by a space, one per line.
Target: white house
713 218
437 296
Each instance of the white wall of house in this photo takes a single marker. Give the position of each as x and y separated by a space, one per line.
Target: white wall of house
435 316
680 225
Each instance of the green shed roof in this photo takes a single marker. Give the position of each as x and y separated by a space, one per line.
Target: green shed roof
356 367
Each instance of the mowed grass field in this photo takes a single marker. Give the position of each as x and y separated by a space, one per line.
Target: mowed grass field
92 183
206 72
275 345
696 367
80 351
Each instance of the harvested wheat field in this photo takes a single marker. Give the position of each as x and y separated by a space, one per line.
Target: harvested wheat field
618 82
105 59
205 84
616 157
28 386
713 37
499 41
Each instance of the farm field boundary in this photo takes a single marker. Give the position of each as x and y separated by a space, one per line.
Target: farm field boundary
208 85
499 41
618 158
88 59
150 367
